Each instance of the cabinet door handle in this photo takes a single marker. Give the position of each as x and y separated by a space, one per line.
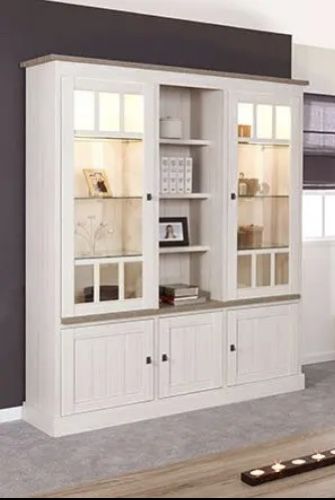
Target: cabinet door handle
233 348
149 197
149 360
233 196
165 358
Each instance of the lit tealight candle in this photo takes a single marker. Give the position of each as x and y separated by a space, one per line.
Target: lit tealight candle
257 473
299 461
278 467
318 457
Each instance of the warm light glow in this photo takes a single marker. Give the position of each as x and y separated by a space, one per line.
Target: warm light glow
298 462
278 467
264 121
84 110
257 473
318 457
109 112
283 123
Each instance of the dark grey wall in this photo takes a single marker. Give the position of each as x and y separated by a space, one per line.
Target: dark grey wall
30 28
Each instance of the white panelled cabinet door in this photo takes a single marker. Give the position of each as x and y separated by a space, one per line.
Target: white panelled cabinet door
263 344
107 366
191 354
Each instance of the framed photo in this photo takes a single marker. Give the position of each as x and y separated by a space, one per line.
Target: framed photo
173 232
97 182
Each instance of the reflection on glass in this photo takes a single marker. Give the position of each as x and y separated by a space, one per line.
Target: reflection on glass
84 110
263 270
245 120
244 271
121 160
133 280
282 269
283 123
84 284
108 228
109 282
109 112
264 121
134 113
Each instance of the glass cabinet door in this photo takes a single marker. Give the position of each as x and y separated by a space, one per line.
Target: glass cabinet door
263 196
109 198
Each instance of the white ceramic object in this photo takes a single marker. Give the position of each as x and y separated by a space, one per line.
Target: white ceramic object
171 128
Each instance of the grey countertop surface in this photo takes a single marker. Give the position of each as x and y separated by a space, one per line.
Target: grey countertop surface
124 64
165 310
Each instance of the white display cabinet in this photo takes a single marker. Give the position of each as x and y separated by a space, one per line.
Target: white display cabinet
101 350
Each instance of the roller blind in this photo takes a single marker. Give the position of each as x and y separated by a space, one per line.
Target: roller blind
319 142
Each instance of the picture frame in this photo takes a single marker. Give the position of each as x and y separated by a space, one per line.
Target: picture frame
173 232
98 184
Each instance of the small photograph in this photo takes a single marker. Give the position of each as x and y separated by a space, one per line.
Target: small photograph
173 231
98 184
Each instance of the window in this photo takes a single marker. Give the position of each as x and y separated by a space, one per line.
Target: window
318 215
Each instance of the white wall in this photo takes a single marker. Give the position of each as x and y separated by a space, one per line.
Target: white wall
318 311
311 22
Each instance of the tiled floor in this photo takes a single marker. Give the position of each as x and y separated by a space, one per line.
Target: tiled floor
31 462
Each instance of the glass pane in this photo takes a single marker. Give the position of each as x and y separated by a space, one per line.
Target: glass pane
245 120
109 282
84 284
312 216
283 123
329 215
263 270
84 110
109 112
108 227
121 160
263 216
133 280
244 271
264 121
134 113
282 269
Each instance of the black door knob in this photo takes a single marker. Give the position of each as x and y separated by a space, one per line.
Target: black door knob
149 360
233 348
165 358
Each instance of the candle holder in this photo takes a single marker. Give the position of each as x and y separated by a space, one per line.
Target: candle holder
293 467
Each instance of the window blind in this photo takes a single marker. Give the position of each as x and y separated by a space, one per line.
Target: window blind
319 142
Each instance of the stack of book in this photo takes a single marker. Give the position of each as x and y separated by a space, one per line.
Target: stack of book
182 295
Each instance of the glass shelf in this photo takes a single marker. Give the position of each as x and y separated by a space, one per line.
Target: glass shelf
185 142
107 198
260 248
264 197
116 255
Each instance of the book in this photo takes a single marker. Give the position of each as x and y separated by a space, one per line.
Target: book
190 301
181 176
179 290
173 174
188 175
164 180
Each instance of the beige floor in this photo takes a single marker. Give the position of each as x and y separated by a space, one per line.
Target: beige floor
218 476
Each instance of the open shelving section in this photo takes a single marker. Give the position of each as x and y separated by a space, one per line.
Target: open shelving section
197 110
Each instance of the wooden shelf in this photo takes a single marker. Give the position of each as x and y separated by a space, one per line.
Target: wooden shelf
190 249
190 196
185 142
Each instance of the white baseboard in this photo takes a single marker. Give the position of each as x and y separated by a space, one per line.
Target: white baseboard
10 415
320 357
